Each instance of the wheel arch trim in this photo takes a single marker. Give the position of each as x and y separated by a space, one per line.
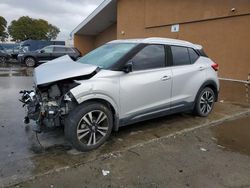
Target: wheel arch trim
108 100
207 84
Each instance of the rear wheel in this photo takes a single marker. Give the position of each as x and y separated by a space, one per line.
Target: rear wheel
30 62
205 102
89 126
3 59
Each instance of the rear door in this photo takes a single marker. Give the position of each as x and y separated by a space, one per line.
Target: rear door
188 75
59 51
147 89
45 54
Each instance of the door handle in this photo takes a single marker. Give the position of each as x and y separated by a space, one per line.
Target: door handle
201 68
164 78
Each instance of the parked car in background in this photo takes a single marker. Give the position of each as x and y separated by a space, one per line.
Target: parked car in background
4 55
33 45
46 54
120 83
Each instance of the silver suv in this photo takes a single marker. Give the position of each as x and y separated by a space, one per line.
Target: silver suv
121 83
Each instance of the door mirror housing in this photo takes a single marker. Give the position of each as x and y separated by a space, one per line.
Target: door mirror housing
42 51
128 67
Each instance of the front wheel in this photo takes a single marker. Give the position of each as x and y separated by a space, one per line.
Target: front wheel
204 102
89 126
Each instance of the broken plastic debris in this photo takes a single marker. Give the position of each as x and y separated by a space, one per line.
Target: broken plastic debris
213 138
105 172
203 149
220 146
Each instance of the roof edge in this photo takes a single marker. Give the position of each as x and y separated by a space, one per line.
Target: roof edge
91 16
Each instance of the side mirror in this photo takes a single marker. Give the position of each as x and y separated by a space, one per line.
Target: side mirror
42 51
128 67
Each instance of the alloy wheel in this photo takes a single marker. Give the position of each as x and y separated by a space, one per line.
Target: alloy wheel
92 127
206 102
30 62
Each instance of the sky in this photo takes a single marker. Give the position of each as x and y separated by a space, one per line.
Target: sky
65 14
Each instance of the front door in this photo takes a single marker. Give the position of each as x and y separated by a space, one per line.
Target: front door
147 89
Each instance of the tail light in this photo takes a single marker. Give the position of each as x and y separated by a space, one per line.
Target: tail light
215 66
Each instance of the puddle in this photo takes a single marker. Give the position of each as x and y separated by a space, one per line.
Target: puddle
234 135
15 70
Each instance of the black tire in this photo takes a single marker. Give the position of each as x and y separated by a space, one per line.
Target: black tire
3 59
76 122
30 61
204 102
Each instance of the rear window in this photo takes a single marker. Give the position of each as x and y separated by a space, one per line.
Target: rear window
70 50
59 49
183 55
180 55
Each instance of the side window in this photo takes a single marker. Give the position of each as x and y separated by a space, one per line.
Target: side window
48 49
150 57
193 55
180 55
69 50
59 50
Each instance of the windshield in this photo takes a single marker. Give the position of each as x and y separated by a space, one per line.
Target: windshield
107 55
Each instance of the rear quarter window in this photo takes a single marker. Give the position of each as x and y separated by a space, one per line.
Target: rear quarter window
193 55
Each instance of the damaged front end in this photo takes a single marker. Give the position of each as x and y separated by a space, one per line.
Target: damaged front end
51 100
48 105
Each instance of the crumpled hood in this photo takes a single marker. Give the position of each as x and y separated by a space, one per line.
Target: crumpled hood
59 69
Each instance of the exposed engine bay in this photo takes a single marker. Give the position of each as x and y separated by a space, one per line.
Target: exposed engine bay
47 105
51 100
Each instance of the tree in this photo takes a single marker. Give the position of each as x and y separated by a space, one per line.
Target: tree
3 25
29 28
52 32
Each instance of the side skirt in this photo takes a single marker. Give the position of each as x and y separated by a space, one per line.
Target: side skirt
155 114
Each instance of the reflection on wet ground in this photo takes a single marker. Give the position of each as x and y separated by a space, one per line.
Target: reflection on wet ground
234 135
22 156
8 70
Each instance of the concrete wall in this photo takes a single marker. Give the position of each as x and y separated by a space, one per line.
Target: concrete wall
225 35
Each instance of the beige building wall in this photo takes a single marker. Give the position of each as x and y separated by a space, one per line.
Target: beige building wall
224 34
107 35
86 43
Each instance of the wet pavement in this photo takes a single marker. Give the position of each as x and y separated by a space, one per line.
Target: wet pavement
23 155
191 158
234 135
